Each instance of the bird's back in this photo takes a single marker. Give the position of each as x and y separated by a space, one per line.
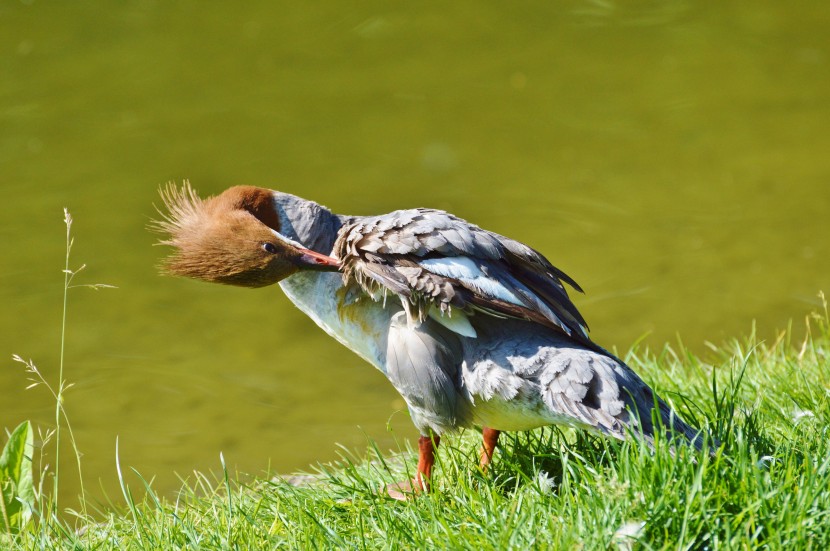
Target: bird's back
522 375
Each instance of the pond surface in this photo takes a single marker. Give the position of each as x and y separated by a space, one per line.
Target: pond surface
672 157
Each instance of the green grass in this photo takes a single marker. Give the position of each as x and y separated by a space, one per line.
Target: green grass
768 486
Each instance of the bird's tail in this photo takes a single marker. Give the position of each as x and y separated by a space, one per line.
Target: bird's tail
650 416
655 417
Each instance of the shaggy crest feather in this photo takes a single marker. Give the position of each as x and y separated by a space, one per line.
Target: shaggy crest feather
184 212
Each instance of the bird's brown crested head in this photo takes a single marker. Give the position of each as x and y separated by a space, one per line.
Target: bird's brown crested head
232 238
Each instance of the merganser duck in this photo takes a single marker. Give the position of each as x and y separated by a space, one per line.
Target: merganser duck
470 327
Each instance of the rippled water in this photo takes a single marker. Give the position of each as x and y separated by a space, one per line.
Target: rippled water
671 157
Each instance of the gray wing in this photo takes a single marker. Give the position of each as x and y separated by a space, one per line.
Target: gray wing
566 383
424 365
433 258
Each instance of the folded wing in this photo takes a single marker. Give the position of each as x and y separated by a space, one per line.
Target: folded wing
439 263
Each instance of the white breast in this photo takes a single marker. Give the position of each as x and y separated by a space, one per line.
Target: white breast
359 323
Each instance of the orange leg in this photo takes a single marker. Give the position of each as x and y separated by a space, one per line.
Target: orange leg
426 459
491 439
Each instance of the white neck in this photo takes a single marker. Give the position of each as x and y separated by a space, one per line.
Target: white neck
349 316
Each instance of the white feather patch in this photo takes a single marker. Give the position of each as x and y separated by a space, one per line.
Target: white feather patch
464 269
455 321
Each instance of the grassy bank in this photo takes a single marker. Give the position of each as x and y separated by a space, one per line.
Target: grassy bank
768 486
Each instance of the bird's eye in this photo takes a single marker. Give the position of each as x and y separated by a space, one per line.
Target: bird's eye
269 248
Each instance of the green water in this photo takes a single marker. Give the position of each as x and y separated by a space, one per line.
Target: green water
671 156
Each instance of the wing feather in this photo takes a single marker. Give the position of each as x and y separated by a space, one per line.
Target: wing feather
434 259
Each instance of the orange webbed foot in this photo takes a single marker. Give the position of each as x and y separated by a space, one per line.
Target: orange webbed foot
406 489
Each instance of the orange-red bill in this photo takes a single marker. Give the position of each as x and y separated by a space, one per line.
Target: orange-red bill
314 259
